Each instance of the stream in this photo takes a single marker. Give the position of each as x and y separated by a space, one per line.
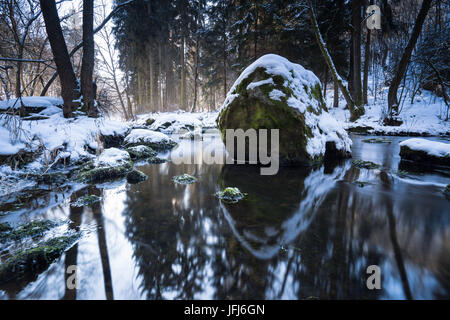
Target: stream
303 233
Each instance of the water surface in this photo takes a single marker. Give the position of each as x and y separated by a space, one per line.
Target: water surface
303 233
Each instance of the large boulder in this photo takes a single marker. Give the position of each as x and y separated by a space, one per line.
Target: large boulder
425 152
274 93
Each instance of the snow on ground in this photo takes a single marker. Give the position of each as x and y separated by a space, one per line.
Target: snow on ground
424 117
433 148
146 136
178 120
72 137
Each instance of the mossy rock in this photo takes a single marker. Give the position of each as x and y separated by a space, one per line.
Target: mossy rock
230 195
252 104
447 191
365 164
156 160
86 201
136 176
141 152
423 158
149 121
51 178
376 140
184 179
32 229
100 174
36 259
4 227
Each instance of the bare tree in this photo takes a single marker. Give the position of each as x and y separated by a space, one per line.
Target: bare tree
69 87
393 103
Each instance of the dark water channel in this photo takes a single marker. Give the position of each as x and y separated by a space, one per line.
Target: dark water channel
305 232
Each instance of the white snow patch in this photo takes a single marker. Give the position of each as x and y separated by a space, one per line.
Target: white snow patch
434 148
112 157
259 83
276 94
145 135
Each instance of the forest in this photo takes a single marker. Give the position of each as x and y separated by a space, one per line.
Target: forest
224 150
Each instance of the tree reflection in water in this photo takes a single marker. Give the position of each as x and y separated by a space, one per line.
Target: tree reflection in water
301 233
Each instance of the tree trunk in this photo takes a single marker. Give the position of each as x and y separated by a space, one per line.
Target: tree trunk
336 95
61 57
325 82
366 66
355 111
404 61
87 66
356 47
183 78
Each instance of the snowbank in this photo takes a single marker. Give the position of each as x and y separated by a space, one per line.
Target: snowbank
74 138
433 148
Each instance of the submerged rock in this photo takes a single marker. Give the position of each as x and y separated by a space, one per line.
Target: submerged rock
31 229
365 164
273 93
425 152
86 201
376 140
136 176
141 152
36 259
184 179
149 138
230 194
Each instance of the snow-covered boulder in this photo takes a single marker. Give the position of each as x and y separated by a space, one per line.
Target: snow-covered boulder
112 163
425 151
274 93
153 139
175 122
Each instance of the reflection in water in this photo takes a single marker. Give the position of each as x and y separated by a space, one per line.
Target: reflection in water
305 232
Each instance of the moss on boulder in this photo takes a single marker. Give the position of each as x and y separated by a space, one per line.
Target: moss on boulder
230 195
274 93
141 152
184 179
31 229
36 259
136 176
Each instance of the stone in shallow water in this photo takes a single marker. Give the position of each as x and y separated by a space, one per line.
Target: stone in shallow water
376 140
230 194
425 152
184 179
136 176
273 93
365 164
141 152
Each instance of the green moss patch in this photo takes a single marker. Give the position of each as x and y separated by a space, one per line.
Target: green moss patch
36 259
230 194
376 140
32 229
361 184
141 152
156 160
184 179
85 201
365 164
136 176
99 174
